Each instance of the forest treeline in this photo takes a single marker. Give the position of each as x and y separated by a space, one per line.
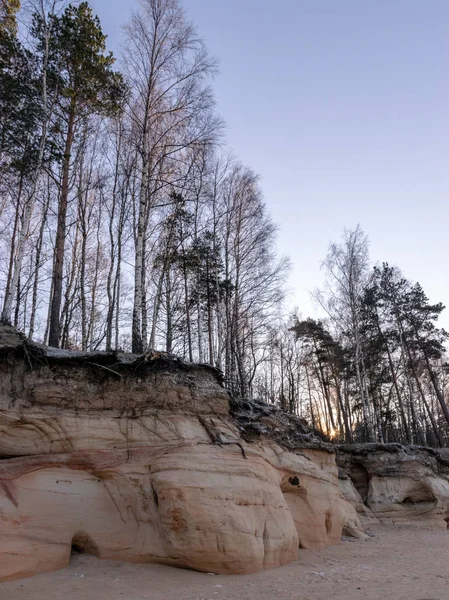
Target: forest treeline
125 224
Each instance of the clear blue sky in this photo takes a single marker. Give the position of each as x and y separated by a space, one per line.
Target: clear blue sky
342 106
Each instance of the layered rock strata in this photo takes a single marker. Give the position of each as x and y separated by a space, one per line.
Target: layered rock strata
147 459
396 484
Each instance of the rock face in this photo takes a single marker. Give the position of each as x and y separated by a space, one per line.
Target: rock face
146 458
396 484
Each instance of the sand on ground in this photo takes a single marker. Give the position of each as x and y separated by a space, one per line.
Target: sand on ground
396 563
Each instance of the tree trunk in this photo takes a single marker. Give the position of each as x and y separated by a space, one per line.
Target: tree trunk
12 271
137 342
55 324
169 330
396 386
187 307
157 300
37 267
209 317
433 379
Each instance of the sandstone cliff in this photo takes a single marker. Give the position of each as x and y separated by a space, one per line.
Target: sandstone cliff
146 458
396 484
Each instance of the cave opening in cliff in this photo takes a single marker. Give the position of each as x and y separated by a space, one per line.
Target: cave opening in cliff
360 479
82 543
421 495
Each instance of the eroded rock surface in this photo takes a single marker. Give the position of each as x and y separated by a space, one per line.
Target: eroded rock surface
146 459
396 484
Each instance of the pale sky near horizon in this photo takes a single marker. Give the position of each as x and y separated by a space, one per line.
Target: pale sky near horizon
342 107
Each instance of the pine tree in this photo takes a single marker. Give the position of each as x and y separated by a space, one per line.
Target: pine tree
412 321
8 18
21 143
428 339
210 285
20 109
331 365
87 85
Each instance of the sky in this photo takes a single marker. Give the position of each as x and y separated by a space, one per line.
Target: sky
342 107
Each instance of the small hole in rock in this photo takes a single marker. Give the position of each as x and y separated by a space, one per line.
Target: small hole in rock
83 544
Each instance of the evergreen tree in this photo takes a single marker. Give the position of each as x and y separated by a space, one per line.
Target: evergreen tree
22 144
8 16
20 109
331 365
412 321
428 339
208 273
82 73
